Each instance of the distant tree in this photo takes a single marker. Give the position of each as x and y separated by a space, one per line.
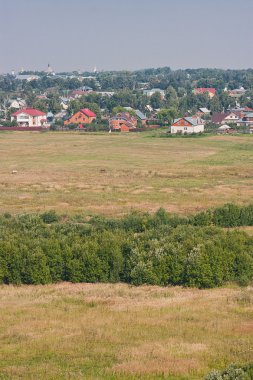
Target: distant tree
215 105
171 98
167 115
156 100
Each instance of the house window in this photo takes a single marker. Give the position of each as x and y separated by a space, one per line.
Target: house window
185 128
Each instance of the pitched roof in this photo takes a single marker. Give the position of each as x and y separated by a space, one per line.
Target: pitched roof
29 111
204 110
79 92
218 117
192 120
88 112
224 127
202 90
140 115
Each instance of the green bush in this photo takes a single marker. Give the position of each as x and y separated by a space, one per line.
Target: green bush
233 372
138 248
50 217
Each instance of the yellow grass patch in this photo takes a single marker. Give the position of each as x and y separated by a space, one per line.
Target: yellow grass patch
105 331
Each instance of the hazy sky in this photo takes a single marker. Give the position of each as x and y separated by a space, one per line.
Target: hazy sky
125 34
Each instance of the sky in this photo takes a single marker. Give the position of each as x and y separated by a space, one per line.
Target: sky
125 34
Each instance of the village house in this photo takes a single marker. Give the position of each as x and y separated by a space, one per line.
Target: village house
246 121
76 94
83 116
17 103
154 91
187 125
50 117
29 117
236 93
240 110
122 122
226 117
64 102
42 96
27 77
203 90
203 112
224 129
84 90
109 94
141 117
62 115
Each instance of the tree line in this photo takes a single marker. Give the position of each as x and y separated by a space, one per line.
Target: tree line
139 248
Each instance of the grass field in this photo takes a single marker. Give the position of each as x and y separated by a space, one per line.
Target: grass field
81 331
113 173
104 331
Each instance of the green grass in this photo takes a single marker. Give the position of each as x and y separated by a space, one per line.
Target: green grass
112 174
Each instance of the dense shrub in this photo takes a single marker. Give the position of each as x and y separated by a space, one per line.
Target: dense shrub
229 215
233 372
50 217
138 248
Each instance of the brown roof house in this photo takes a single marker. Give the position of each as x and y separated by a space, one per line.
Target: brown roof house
85 116
226 117
122 122
210 91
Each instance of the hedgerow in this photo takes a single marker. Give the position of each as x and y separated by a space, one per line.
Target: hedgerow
139 248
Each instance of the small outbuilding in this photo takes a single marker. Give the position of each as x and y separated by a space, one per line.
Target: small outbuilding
224 129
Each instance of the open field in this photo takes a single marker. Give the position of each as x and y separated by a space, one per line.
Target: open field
111 174
105 331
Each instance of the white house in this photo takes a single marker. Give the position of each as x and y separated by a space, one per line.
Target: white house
29 117
17 103
153 91
187 125
28 77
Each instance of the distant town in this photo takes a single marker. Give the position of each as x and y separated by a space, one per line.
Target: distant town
191 101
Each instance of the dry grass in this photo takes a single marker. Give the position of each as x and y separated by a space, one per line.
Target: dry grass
104 331
111 174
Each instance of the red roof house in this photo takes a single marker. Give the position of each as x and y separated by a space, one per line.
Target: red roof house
29 117
83 116
203 90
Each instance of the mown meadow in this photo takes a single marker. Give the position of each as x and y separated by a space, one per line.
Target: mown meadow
111 174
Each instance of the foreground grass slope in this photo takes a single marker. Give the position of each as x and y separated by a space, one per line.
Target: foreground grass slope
113 173
106 331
